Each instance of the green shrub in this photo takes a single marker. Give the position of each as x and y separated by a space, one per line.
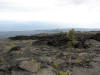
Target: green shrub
2 59
64 73
56 66
79 60
12 45
72 38
30 44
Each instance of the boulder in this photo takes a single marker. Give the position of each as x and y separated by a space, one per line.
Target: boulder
2 73
91 43
59 61
30 66
83 55
16 48
46 59
46 71
14 72
4 66
96 36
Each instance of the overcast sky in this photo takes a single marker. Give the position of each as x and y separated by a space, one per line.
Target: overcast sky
83 13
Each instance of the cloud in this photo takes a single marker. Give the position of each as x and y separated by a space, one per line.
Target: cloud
72 2
23 5
79 1
79 12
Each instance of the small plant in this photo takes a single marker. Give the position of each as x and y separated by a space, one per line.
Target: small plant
70 59
2 59
71 34
69 44
56 71
88 59
33 60
69 73
56 66
39 66
12 45
61 72
72 38
64 73
30 44
79 60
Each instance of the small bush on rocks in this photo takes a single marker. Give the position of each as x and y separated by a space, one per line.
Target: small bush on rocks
72 38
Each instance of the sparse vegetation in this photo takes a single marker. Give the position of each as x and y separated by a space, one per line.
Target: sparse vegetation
39 66
79 60
88 59
56 65
64 73
30 44
61 72
2 59
50 55
33 60
12 45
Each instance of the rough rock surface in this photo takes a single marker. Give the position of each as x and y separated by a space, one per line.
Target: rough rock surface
21 73
29 66
46 72
48 55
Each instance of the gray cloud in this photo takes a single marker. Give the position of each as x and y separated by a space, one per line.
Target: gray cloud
2 4
71 2
79 1
10 7
20 9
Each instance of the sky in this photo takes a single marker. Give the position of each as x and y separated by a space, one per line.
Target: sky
79 13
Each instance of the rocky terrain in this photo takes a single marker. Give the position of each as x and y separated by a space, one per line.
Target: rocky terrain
48 54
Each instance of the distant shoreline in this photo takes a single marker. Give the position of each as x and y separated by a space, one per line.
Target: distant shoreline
6 34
